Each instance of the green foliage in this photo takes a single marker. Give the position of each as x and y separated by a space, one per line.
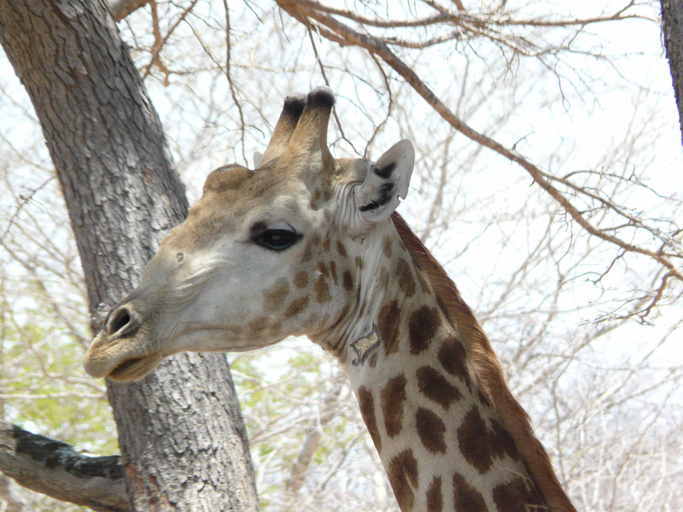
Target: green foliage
288 394
42 386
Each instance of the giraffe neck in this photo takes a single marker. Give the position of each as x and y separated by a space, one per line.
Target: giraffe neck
442 443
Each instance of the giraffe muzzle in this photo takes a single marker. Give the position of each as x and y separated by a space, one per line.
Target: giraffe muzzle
116 353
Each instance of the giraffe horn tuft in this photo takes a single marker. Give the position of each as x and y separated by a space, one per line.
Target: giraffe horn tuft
321 97
310 134
286 123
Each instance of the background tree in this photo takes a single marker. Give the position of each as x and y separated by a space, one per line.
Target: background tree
547 143
672 27
181 432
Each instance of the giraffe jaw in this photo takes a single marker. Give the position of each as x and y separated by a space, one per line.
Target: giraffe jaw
133 369
118 360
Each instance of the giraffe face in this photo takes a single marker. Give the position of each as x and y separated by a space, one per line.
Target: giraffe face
240 273
260 257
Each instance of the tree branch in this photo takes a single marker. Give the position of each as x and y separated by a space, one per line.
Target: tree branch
311 10
122 8
56 469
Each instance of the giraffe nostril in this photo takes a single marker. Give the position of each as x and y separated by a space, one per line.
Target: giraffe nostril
123 322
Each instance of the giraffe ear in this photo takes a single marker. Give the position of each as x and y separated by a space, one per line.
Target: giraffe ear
386 183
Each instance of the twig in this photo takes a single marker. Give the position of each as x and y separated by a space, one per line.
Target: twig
390 106
327 83
228 76
160 42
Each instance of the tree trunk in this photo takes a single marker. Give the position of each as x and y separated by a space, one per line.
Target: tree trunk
181 434
672 26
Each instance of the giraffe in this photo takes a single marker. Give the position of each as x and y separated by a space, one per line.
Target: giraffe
311 245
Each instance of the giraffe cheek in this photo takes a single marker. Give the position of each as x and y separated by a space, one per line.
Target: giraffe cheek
321 290
301 279
296 307
275 296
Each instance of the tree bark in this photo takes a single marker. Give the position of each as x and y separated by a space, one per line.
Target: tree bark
672 26
181 434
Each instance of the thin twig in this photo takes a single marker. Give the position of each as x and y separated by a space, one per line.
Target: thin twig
327 83
233 91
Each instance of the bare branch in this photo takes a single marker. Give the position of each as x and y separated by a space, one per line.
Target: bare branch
228 76
160 42
327 83
122 8
56 469
445 16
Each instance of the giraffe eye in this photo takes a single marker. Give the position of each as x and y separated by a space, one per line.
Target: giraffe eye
276 239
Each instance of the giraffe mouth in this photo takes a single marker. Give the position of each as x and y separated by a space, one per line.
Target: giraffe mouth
134 368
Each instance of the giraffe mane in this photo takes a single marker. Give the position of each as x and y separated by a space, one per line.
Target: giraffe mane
487 370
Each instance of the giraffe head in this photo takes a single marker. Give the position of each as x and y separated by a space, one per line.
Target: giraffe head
264 254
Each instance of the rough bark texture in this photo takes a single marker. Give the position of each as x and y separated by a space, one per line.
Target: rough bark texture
56 469
672 26
181 434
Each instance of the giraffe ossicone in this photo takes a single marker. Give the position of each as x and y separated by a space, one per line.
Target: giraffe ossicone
306 244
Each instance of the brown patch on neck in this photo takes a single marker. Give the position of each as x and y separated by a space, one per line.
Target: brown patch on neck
393 398
403 477
466 497
436 387
388 326
431 430
367 410
434 497
488 372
